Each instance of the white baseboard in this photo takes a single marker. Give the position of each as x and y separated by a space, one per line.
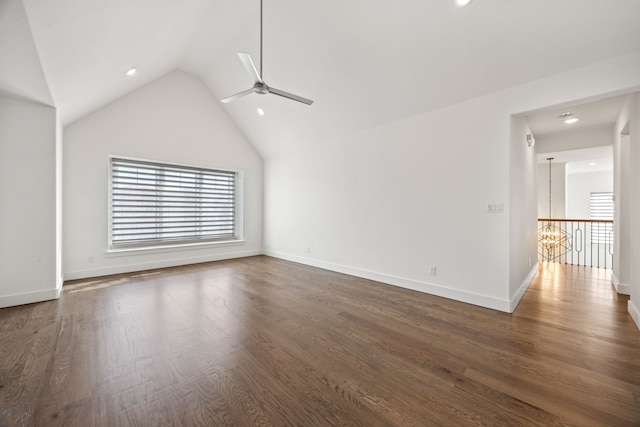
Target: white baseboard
515 300
428 288
29 297
130 268
635 313
620 288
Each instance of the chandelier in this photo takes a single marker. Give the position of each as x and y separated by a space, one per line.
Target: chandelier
553 241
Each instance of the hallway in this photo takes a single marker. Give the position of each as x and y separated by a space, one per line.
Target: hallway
577 298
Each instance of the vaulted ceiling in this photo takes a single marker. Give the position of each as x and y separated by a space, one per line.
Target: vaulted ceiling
362 62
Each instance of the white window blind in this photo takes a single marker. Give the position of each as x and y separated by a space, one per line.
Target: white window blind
601 208
601 205
154 203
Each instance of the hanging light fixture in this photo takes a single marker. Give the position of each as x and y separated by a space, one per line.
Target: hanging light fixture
553 241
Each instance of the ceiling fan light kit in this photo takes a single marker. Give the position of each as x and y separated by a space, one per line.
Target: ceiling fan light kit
259 86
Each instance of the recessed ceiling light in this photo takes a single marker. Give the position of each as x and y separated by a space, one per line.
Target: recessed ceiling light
131 71
592 163
260 111
568 118
463 3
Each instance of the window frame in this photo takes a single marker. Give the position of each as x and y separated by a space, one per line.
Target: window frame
160 243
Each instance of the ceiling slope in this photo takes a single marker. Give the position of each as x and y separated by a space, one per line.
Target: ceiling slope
363 63
87 46
21 73
366 63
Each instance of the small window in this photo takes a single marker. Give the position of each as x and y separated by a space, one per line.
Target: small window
602 208
154 204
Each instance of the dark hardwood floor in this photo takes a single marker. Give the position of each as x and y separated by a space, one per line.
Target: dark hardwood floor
261 341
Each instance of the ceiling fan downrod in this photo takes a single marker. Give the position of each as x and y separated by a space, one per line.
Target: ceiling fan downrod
259 86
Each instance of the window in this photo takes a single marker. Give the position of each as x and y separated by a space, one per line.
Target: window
601 208
154 204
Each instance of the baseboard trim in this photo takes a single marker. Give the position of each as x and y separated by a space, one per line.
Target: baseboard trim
29 297
131 268
635 313
513 303
428 288
620 288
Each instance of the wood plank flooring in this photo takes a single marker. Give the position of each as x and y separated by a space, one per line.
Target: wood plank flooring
261 341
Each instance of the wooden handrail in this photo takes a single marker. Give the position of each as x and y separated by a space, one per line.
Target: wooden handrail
575 220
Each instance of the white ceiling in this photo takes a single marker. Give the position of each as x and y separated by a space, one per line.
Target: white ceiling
593 159
363 62
592 114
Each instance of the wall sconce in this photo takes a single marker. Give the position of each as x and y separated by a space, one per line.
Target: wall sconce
531 141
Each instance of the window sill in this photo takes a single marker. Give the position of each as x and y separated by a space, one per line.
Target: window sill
170 248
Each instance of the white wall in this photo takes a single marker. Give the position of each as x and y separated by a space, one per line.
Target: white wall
173 119
59 201
389 202
28 212
558 190
621 276
634 142
523 221
627 188
579 189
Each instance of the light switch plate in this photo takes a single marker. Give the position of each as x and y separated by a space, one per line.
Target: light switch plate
495 207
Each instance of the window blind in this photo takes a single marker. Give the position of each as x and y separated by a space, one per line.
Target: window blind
155 203
601 207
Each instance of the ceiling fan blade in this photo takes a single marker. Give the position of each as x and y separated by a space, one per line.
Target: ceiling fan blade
290 96
251 68
237 95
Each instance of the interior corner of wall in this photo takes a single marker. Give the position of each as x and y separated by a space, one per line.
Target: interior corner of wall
515 300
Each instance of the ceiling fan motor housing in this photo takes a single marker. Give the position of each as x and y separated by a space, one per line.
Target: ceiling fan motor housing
261 88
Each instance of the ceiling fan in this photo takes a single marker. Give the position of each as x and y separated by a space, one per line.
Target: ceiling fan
259 86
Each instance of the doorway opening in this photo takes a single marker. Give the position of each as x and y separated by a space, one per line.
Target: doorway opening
575 156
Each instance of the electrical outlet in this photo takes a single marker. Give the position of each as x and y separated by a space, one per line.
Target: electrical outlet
529 262
432 270
308 249
91 259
